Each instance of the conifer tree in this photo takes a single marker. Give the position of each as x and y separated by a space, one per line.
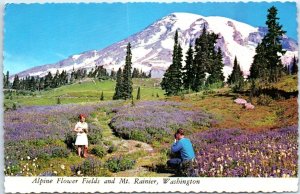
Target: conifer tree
102 96
58 101
118 88
127 79
294 67
135 73
259 65
188 73
199 68
138 96
267 64
6 81
113 74
16 82
236 74
48 80
172 80
273 44
216 68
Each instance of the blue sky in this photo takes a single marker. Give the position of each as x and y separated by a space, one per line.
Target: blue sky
38 34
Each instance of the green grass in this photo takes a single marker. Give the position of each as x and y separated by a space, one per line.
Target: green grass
87 91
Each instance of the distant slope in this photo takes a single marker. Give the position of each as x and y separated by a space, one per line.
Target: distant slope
152 47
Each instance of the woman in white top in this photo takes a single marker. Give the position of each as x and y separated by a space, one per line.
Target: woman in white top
81 140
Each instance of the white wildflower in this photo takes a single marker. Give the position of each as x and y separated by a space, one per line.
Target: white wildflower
278 170
62 166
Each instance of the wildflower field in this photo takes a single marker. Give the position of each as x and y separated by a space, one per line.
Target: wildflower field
127 138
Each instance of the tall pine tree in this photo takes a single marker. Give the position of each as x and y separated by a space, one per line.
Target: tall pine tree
200 60
188 73
138 96
236 74
16 83
127 78
118 88
267 64
216 74
172 80
259 67
6 81
273 44
294 67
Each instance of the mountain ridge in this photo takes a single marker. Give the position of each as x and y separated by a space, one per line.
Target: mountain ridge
152 47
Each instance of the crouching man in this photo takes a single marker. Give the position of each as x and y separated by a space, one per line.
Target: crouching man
184 147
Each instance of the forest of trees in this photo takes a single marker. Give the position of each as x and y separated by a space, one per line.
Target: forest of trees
202 60
203 63
35 83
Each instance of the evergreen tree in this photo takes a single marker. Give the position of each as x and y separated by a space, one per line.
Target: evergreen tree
6 81
294 67
236 74
32 84
48 80
135 73
216 68
172 80
138 96
149 74
58 101
259 67
113 74
102 96
188 74
200 61
127 79
118 88
273 44
16 82
267 64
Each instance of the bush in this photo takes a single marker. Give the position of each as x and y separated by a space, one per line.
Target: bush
264 100
112 149
60 152
95 138
99 151
70 139
89 167
119 164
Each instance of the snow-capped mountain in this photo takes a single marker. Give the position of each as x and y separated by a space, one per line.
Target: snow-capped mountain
152 48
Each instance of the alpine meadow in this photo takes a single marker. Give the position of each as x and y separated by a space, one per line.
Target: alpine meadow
232 87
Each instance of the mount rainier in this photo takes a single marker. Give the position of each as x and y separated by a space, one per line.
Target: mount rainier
152 48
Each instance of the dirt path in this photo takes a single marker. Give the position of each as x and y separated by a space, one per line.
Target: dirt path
146 155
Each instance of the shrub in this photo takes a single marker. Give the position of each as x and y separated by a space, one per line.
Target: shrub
119 164
99 151
70 139
60 152
112 149
95 138
264 100
89 167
